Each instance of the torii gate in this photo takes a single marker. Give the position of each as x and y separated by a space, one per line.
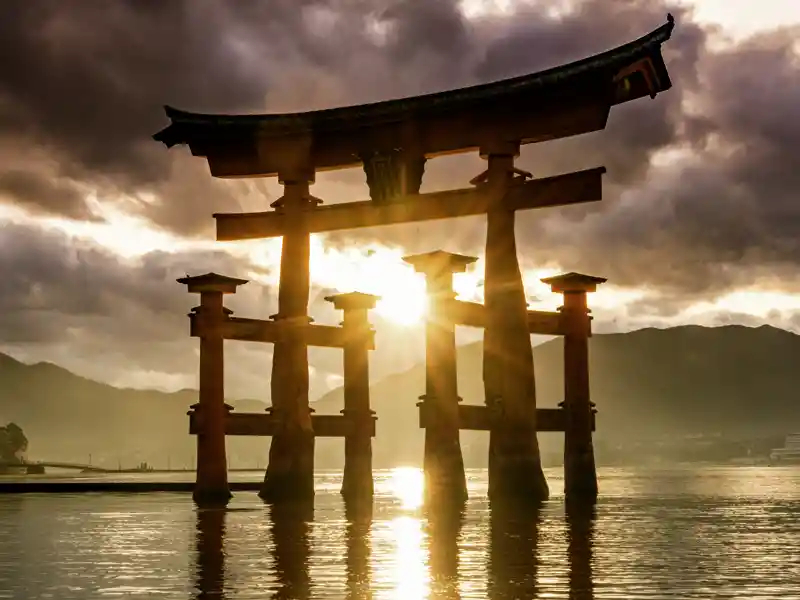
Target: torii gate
392 141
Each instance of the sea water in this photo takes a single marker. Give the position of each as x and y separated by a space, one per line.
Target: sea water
684 532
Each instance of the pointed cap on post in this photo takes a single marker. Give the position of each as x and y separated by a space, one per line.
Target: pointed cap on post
439 262
573 282
211 282
353 300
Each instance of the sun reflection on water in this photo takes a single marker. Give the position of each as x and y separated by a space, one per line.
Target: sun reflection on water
411 579
408 486
410 565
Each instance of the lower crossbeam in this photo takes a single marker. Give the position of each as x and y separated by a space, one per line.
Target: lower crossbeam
266 425
479 418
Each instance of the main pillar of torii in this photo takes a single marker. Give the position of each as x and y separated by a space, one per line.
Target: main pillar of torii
290 473
515 468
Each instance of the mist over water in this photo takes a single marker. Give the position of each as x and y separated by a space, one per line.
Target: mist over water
707 532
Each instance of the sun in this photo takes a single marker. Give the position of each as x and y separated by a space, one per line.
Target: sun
377 269
401 302
373 269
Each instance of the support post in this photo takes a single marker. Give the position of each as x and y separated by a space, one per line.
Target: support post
211 486
580 475
290 472
443 462
515 469
357 482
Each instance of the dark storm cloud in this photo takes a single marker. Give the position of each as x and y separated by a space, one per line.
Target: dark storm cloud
44 194
88 78
728 216
46 273
534 41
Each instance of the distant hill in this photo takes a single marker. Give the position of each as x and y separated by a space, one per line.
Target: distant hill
734 380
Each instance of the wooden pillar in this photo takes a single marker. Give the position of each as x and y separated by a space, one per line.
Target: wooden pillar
443 462
580 476
515 469
211 485
357 482
290 472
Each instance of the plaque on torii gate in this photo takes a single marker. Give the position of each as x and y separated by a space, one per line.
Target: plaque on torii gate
392 140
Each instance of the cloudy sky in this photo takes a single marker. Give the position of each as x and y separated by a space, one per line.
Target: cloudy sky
699 222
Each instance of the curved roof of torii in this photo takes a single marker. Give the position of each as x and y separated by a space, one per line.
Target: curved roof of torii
625 73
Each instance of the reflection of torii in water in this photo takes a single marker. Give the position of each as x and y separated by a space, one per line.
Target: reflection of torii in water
392 140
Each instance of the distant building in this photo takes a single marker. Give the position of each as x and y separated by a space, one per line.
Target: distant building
790 453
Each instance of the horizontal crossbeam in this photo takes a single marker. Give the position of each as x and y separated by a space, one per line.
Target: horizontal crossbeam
273 332
472 314
571 188
479 418
265 425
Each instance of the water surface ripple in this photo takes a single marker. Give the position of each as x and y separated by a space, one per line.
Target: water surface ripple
677 533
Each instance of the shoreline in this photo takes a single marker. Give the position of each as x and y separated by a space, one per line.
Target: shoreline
130 487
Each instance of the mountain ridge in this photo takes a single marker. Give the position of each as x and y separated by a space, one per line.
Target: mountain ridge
647 383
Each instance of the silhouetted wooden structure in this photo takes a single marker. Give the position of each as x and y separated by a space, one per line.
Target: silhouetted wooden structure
392 140
440 413
289 420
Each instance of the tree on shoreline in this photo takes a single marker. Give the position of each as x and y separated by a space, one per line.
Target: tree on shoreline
13 443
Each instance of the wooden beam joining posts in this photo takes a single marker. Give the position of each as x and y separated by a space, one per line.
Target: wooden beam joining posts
473 314
475 417
273 332
265 425
570 188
